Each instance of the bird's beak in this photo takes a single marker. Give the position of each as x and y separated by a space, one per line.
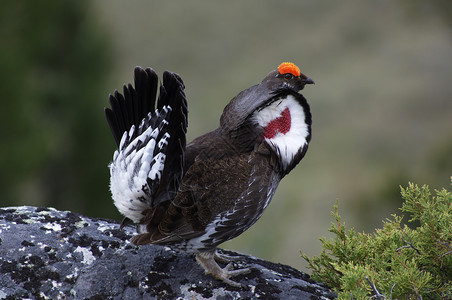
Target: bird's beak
305 79
308 80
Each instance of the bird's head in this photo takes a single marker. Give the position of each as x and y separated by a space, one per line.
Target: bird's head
273 111
287 76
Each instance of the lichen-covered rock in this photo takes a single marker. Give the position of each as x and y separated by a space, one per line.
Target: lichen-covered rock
51 254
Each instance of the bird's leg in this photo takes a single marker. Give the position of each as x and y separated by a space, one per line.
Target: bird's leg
223 258
207 260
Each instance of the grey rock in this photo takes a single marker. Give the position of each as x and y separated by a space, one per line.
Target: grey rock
51 254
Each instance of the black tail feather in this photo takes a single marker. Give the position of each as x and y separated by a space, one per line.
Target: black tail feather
133 108
172 94
135 103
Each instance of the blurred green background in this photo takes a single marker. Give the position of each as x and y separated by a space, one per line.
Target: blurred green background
382 104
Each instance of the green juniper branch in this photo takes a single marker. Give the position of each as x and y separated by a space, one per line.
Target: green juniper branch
405 263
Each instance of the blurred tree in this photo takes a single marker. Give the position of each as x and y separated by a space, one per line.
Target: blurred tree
54 141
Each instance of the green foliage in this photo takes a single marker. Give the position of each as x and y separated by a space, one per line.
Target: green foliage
395 262
54 148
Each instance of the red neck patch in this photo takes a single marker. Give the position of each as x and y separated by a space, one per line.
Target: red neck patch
279 125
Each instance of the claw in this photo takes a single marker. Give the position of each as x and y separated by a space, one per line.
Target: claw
207 260
223 258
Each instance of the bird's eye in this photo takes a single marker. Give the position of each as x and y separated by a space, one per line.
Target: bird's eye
288 76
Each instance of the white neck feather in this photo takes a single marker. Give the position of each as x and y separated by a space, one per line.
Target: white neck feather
288 144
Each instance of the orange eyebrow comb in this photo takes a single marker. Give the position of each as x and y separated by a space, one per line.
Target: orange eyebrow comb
288 67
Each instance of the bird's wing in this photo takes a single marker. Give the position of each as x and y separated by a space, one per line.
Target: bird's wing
217 200
148 165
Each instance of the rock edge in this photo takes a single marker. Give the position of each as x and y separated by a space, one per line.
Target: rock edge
50 254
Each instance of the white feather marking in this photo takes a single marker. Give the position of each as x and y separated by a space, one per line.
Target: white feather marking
158 166
146 161
123 139
211 228
286 144
271 191
132 130
164 140
142 228
131 168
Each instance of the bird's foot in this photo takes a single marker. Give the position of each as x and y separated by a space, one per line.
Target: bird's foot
223 258
207 260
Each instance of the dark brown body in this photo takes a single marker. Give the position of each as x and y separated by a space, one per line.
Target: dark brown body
236 183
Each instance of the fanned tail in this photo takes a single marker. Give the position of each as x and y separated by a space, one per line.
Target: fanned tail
148 165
